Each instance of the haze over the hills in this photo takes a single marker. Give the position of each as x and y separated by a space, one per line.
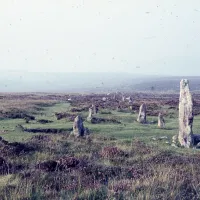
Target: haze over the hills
66 82
89 82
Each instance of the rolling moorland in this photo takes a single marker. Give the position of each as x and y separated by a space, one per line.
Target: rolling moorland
119 159
23 81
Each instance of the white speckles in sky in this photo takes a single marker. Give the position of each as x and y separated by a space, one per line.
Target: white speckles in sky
91 36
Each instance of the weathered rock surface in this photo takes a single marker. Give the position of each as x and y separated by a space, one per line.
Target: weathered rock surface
94 109
142 114
185 136
175 141
78 128
89 118
161 121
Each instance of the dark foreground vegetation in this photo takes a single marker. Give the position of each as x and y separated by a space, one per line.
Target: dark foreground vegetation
120 159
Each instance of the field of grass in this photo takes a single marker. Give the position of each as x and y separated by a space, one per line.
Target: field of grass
117 161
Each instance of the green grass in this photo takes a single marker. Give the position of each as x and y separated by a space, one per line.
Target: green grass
128 129
162 177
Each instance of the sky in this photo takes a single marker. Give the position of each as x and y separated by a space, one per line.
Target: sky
160 37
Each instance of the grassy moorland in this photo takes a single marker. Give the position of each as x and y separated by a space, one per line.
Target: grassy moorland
124 160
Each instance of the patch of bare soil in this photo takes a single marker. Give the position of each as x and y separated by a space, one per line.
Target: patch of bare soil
65 115
96 120
16 114
44 121
47 130
14 148
58 165
4 166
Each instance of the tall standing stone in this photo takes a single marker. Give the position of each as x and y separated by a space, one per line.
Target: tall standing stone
185 137
161 121
78 128
142 114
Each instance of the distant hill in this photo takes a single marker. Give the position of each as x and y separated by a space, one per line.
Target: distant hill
89 82
64 82
167 84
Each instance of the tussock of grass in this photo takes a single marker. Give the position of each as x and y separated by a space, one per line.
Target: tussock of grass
117 161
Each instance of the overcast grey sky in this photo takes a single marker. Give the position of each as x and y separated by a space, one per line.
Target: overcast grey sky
137 36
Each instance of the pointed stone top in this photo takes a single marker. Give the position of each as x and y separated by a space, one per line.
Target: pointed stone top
143 105
184 83
78 118
185 94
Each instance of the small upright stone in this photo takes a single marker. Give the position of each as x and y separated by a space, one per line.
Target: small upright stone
89 118
118 108
185 137
78 128
19 128
142 114
161 121
175 141
104 99
94 109
130 100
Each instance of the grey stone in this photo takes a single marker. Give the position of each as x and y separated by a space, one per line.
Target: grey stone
185 136
78 127
89 118
175 139
163 137
142 114
161 121
174 145
94 109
